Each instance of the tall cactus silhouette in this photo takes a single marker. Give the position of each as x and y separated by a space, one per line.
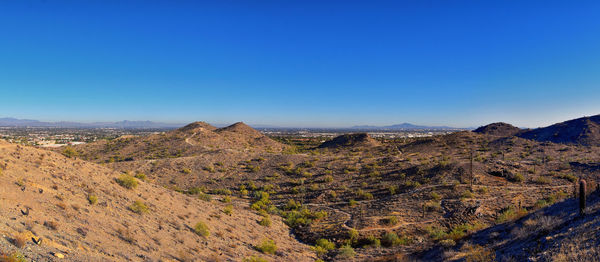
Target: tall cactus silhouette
582 187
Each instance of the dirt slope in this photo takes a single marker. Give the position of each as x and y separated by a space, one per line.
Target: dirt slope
54 191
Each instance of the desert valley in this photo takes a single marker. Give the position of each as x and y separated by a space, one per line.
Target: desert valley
201 193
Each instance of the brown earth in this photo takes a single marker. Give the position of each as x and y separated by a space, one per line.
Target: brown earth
425 184
44 195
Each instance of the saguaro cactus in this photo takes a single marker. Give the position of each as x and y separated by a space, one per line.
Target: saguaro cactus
582 187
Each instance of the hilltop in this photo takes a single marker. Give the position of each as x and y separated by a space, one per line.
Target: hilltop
582 131
351 140
84 212
498 129
191 140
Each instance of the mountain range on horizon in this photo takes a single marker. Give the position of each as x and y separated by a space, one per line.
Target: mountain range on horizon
15 122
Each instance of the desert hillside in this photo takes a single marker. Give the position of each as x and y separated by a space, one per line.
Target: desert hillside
358 197
580 131
84 212
554 233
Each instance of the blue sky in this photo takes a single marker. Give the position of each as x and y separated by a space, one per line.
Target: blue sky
301 63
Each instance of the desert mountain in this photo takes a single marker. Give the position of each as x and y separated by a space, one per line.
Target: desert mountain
498 129
351 140
191 140
85 212
582 131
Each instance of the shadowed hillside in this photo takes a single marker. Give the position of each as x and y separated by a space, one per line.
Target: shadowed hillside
554 233
582 131
498 129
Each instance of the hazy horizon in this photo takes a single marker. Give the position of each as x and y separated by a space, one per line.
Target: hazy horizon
301 63
222 124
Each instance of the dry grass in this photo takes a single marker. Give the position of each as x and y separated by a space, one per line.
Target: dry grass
20 239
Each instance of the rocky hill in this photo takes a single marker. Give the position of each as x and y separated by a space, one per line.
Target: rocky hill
85 212
191 140
498 129
351 140
581 131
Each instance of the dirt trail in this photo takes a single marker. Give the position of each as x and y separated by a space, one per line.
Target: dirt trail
187 140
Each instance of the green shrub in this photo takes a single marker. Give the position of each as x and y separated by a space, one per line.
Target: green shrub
326 244
435 196
228 210
323 246
201 229
254 259
69 152
127 181
265 221
436 233
432 206
93 199
193 191
372 241
267 246
467 194
301 216
542 180
226 199
346 252
140 176
204 196
393 189
517 177
186 171
139 207
447 243
353 234
391 239
569 177
390 221
510 213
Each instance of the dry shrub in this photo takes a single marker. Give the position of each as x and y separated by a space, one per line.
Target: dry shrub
51 224
477 253
126 235
20 239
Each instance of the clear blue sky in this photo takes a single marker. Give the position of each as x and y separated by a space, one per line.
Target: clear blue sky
301 63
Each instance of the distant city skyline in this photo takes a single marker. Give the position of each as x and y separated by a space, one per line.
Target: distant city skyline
301 63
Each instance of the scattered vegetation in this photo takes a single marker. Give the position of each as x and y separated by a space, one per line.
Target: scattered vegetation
139 207
267 246
127 181
92 199
201 229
